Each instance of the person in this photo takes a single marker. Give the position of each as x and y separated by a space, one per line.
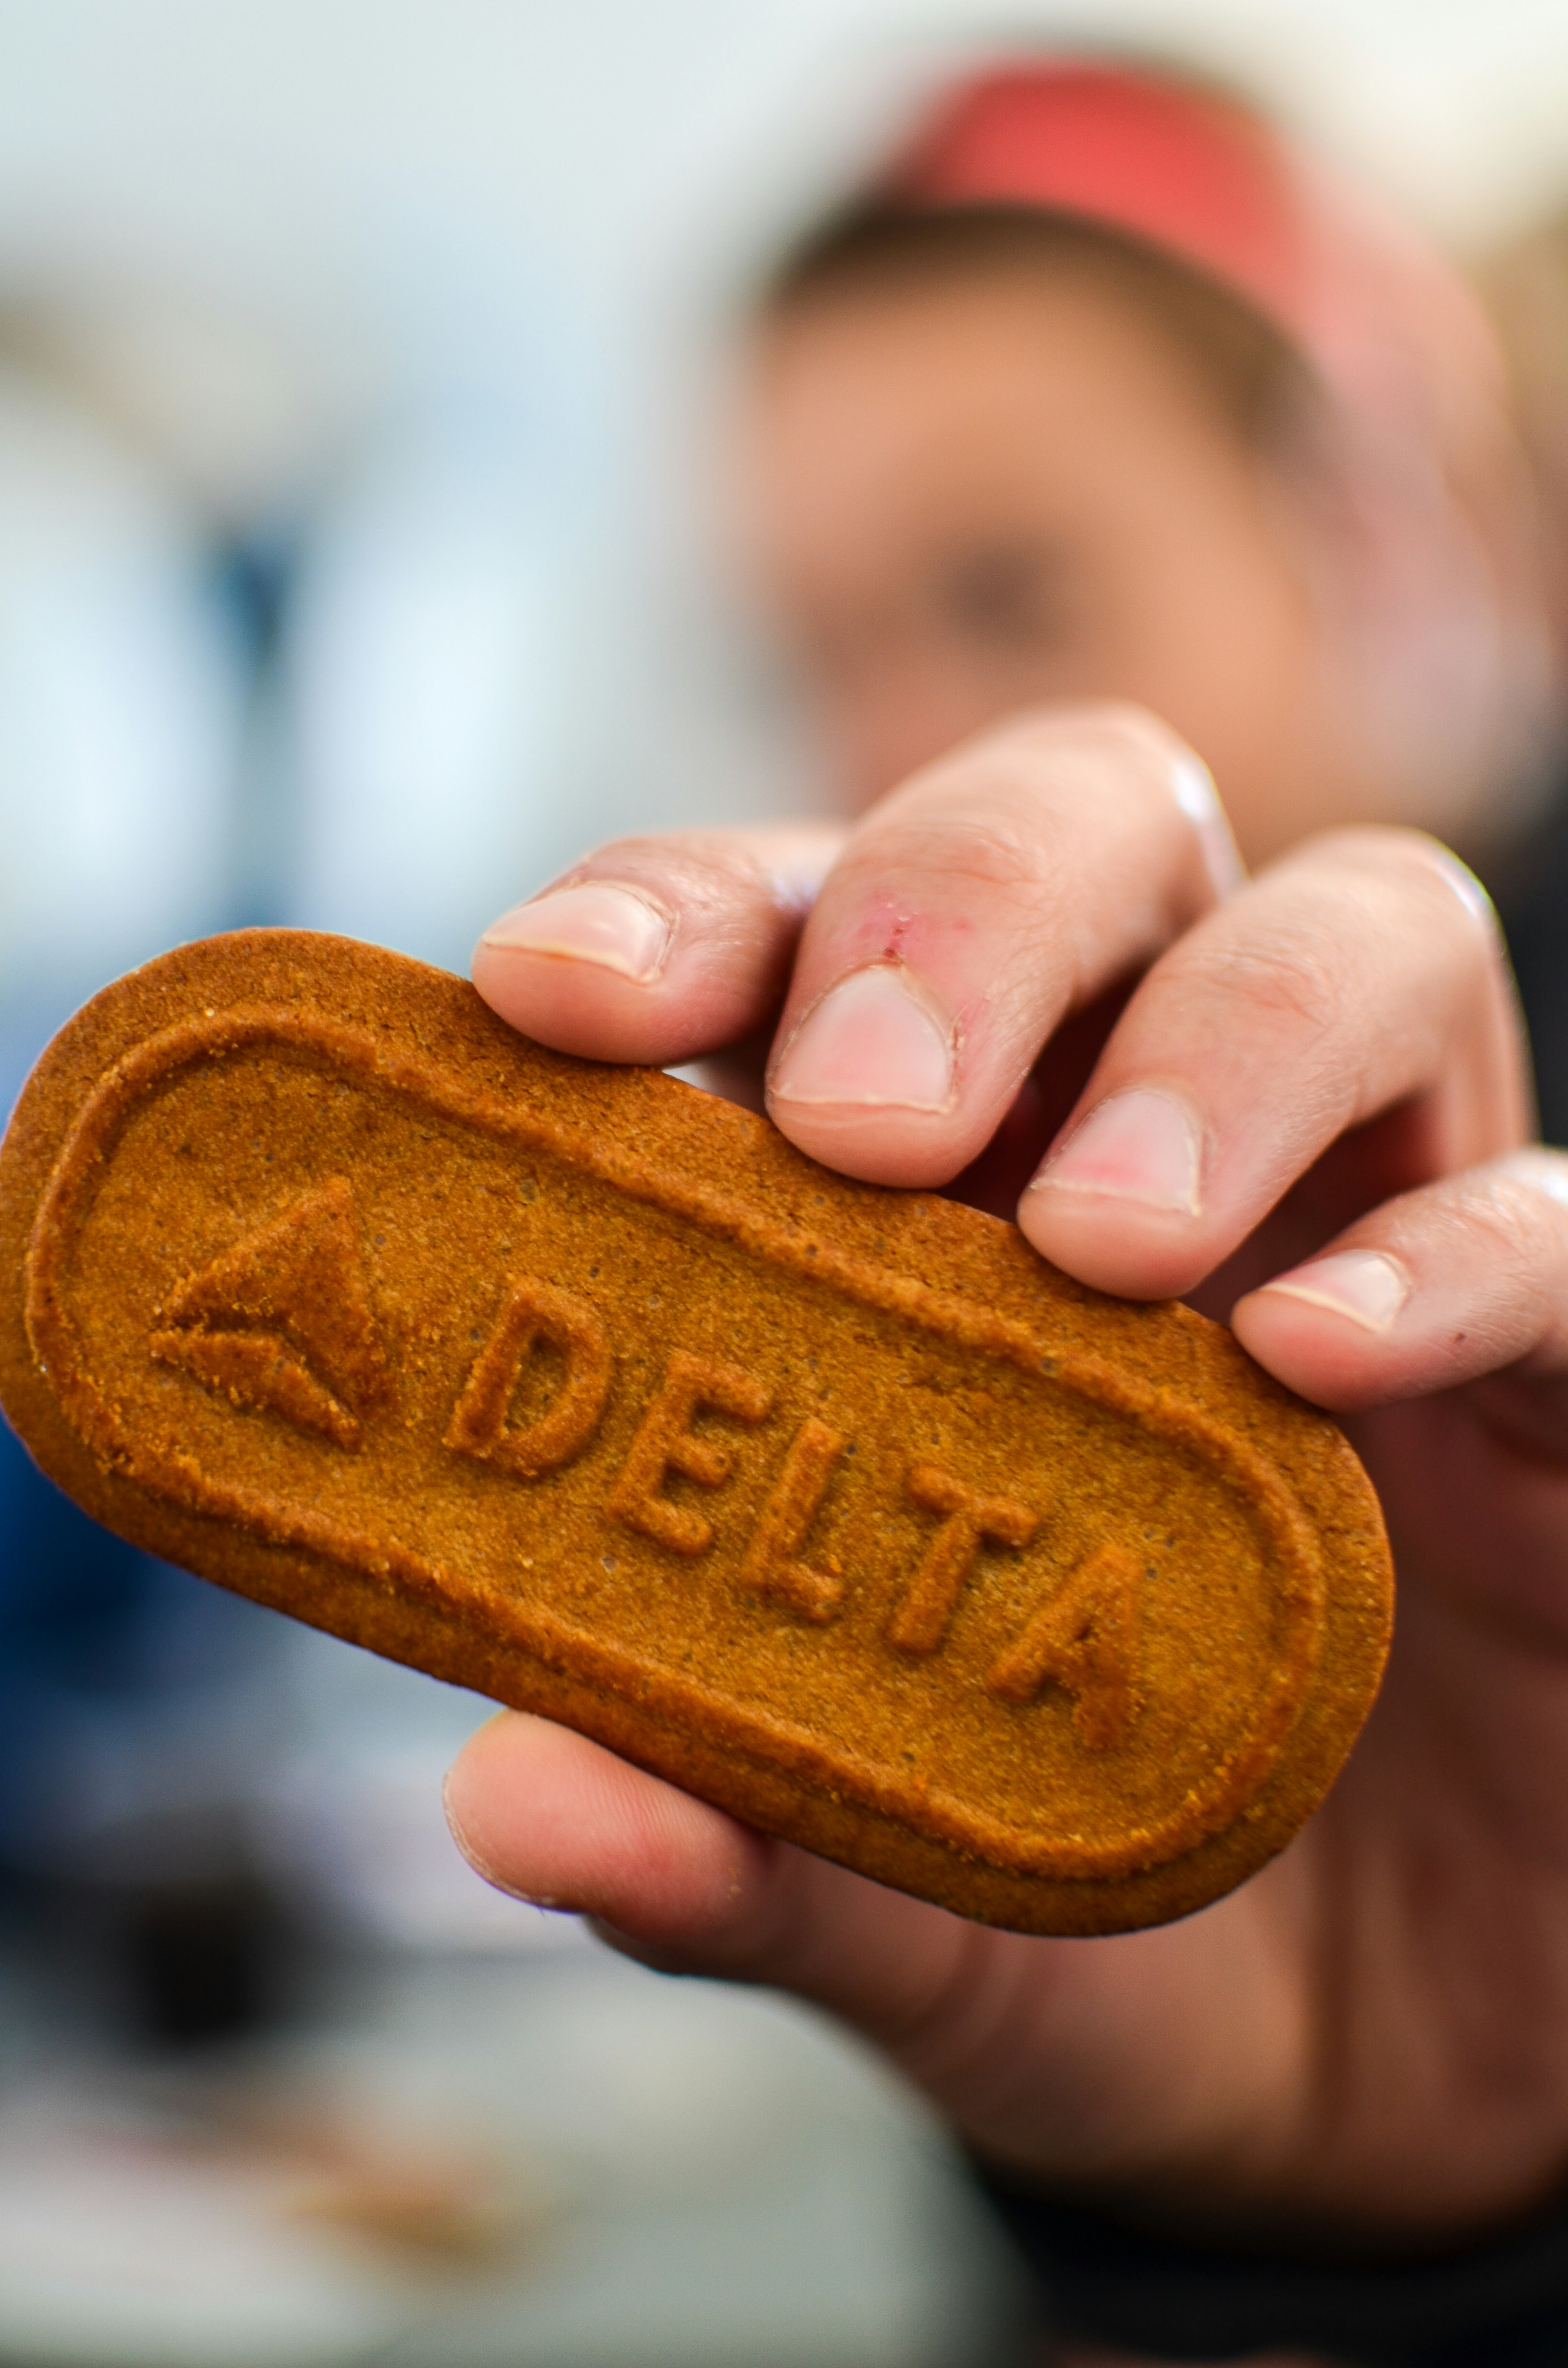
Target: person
1139 505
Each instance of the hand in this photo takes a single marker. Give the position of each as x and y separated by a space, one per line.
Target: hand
1314 1097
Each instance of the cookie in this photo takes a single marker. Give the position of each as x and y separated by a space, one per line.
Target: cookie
576 1386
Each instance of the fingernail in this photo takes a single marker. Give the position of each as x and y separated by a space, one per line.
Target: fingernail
876 1040
1362 1284
593 922
1141 1145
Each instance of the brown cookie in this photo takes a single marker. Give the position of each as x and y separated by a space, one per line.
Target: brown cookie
574 1386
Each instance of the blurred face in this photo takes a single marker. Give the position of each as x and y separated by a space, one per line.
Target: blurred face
967 496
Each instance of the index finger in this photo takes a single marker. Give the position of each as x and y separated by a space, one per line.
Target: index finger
657 948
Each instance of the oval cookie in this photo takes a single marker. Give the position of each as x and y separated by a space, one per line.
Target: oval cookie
579 1387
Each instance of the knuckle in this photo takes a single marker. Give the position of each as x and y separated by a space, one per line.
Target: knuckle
994 846
1293 977
1386 920
1525 1195
1040 757
1421 878
1502 1215
706 875
614 854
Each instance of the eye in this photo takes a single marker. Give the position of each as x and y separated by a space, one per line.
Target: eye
1005 595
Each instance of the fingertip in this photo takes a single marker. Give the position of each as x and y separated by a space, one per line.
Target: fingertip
605 923
1118 1202
549 1817
468 1801
1364 1287
900 1148
866 1080
1129 1253
575 1002
1334 1354
653 951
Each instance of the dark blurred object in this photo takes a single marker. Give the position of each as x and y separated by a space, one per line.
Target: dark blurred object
1502 2302
166 1935
201 1955
1526 288
1533 905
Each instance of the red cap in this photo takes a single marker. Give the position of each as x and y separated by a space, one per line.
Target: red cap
1185 169
1167 162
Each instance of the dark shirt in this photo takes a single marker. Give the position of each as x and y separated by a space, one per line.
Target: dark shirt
1534 911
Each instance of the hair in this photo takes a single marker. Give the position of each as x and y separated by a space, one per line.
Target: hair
879 244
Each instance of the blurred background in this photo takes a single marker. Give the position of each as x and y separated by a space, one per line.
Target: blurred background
356 364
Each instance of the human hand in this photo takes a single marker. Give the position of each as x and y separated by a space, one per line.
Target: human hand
1322 1065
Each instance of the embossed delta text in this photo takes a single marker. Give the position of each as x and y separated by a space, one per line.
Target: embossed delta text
282 1323
716 1467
